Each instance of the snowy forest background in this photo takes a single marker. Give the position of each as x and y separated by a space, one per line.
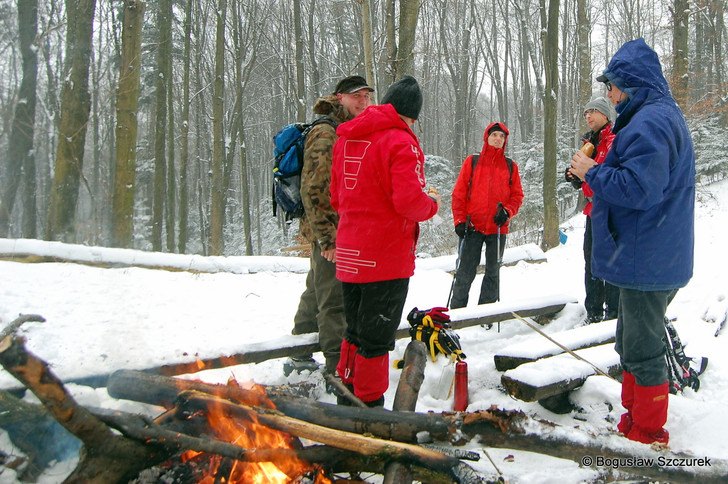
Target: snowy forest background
148 125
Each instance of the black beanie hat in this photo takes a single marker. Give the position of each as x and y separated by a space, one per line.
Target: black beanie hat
405 96
496 127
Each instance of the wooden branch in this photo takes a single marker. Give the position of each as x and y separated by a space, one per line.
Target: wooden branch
343 391
106 457
19 321
193 401
145 431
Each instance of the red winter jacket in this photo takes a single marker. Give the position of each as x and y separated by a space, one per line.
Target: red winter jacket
605 143
490 186
377 183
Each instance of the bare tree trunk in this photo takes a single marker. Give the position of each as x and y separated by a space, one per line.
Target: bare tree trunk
550 101
217 206
367 33
184 157
170 203
300 73
21 157
164 53
583 33
408 13
127 102
680 12
75 107
390 42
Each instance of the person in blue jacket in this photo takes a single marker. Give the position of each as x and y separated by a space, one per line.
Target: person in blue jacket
642 220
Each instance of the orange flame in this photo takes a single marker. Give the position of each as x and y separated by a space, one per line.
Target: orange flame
252 435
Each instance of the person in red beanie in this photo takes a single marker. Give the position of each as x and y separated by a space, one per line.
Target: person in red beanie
378 191
487 194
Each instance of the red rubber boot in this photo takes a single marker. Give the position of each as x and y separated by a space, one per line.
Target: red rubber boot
649 414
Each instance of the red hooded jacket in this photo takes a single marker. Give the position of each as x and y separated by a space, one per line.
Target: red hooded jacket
377 183
492 183
606 137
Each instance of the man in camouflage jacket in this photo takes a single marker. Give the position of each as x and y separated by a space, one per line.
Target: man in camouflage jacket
321 307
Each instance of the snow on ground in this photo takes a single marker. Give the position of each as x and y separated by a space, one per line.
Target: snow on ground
131 317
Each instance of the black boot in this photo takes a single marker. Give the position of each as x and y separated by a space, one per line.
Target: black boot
343 401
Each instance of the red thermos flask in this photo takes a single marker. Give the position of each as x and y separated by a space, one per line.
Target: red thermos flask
461 386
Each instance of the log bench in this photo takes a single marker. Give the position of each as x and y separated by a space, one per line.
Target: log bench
540 370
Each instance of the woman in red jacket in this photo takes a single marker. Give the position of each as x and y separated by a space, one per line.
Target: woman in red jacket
486 195
377 188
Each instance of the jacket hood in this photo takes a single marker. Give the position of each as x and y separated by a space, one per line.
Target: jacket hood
634 66
635 69
374 118
329 105
489 150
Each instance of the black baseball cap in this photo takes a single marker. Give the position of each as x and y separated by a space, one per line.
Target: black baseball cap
352 84
602 78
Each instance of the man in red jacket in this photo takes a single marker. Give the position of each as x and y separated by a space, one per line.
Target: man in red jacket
378 190
602 298
487 194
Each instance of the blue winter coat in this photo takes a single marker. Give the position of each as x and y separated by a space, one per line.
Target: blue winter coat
644 192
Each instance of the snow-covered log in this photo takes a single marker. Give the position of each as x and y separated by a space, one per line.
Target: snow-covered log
539 347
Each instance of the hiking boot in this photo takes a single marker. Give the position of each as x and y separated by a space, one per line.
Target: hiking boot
593 318
300 363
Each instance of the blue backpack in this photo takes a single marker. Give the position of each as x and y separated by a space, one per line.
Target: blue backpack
288 165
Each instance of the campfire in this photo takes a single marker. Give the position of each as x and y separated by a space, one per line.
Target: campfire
249 434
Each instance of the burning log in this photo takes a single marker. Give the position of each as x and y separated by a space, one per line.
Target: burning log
403 427
106 457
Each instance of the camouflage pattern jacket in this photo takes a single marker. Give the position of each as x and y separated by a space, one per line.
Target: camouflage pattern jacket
319 222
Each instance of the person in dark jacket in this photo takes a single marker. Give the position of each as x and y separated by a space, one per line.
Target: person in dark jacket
643 222
602 298
378 189
487 194
321 307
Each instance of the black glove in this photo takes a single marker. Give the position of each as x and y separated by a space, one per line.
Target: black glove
460 229
501 215
571 178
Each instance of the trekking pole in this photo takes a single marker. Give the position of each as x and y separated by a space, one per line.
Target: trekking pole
461 242
596 368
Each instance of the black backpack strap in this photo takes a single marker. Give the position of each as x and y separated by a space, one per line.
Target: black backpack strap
509 162
473 162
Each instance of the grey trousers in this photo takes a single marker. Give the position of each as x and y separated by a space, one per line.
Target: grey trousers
640 333
321 308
